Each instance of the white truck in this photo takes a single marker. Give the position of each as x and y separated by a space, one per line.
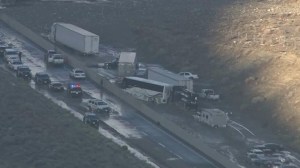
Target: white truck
54 58
75 37
97 105
77 73
208 94
215 118
189 75
163 75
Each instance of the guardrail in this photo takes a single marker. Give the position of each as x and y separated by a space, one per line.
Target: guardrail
92 74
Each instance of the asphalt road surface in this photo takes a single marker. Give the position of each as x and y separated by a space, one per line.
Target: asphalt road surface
164 149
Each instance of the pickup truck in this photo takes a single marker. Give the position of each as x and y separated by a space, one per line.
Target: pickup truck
77 73
54 58
209 94
97 105
188 75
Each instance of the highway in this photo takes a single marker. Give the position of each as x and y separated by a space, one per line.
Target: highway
162 148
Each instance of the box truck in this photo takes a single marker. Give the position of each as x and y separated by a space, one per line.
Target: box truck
75 38
163 75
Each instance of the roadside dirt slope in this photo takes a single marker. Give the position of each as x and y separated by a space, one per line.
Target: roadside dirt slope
259 42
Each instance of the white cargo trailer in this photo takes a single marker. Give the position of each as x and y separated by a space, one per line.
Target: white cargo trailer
75 38
163 75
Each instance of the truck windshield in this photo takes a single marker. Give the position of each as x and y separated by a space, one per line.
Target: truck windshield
101 103
44 76
79 71
11 52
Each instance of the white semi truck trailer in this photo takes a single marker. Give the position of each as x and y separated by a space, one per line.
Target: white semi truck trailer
75 37
163 75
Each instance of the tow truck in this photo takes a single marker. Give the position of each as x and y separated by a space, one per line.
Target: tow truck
209 94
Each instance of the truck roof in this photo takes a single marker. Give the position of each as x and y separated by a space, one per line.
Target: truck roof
214 111
168 74
127 57
148 80
77 29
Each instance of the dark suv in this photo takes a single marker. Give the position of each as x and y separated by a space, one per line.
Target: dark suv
24 72
42 78
91 119
74 90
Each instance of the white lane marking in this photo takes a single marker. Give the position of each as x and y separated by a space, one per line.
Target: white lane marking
161 145
144 133
178 156
171 159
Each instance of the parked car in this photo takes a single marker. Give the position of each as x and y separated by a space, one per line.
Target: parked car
260 162
42 78
98 105
24 71
77 74
270 146
74 90
289 166
91 119
257 152
189 75
56 86
13 65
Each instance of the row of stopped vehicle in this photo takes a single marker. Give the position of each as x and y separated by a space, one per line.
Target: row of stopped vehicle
73 88
270 155
96 108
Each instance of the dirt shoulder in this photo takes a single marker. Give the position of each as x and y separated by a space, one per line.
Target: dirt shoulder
37 133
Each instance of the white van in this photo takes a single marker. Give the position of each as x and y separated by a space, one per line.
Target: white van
212 117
